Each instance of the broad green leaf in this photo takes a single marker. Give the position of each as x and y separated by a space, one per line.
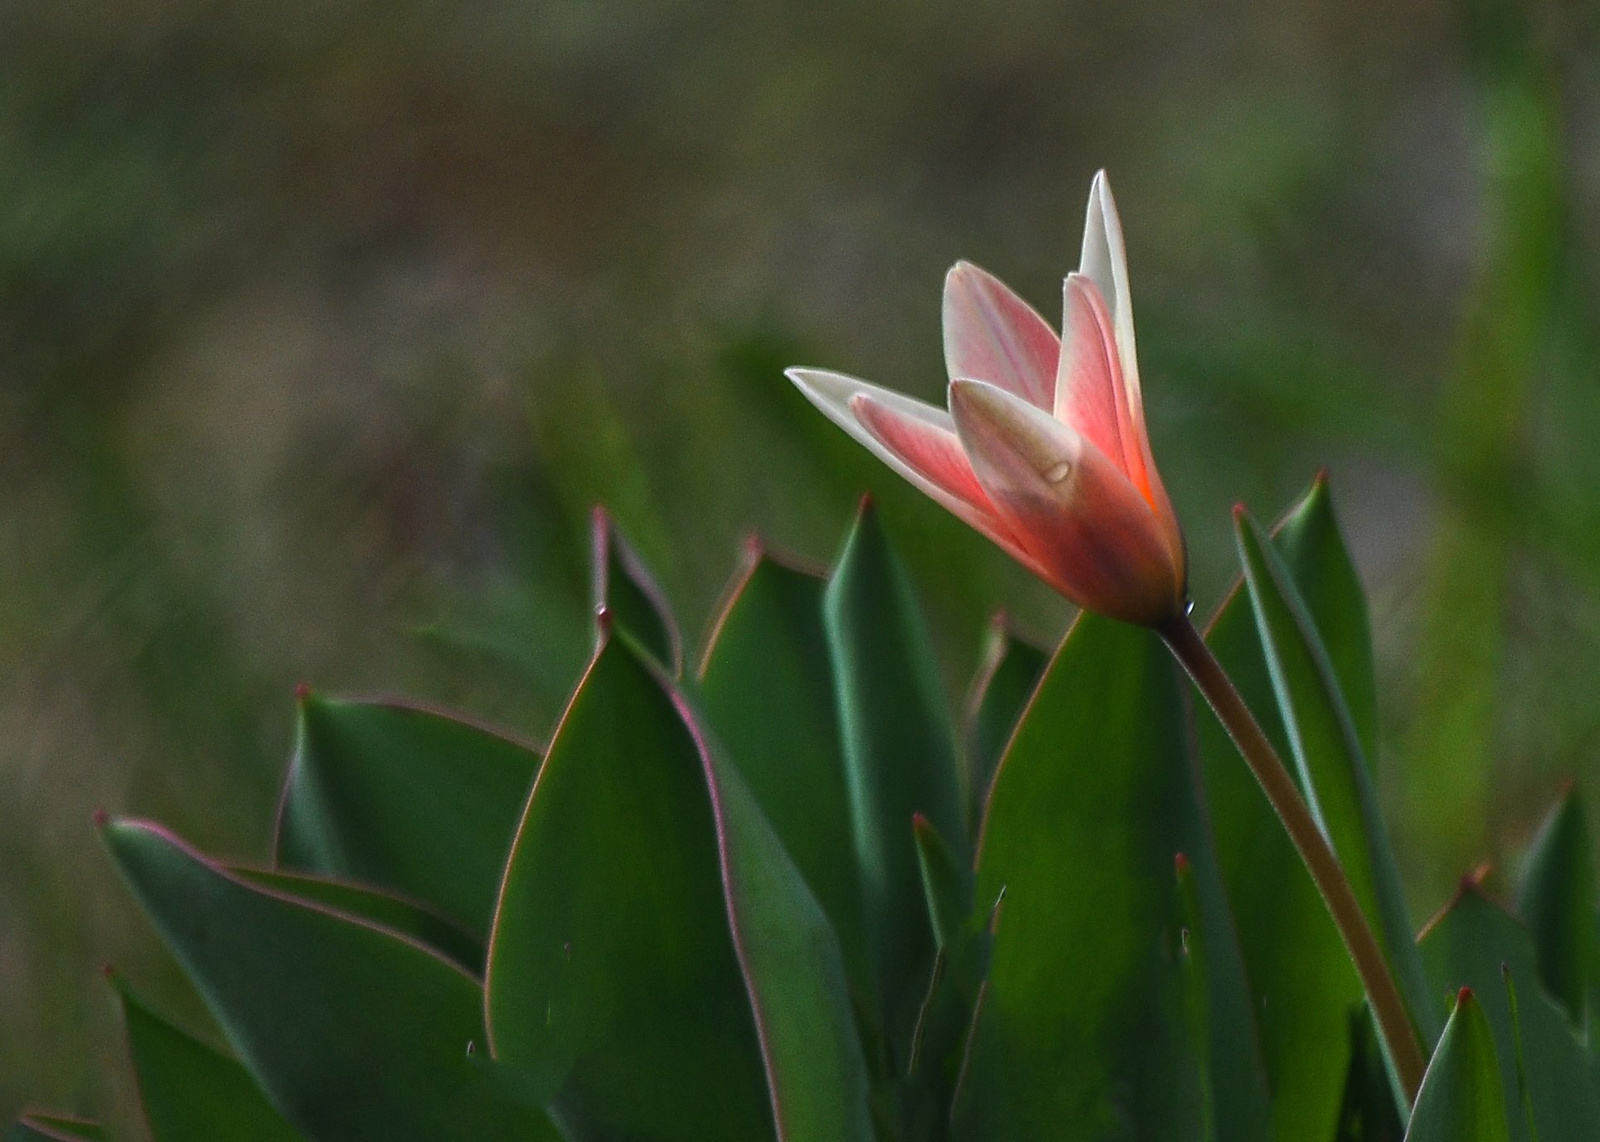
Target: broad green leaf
1303 987
404 799
1369 1111
381 908
1081 1022
793 971
191 1092
613 979
1007 674
36 1126
900 760
1468 945
1192 973
629 594
1461 1099
1329 757
1557 903
353 1032
767 689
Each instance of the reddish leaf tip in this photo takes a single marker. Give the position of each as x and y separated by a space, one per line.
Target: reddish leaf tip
919 822
1180 864
754 546
302 691
1473 880
865 504
1320 480
599 516
603 619
1239 510
109 971
100 817
1463 996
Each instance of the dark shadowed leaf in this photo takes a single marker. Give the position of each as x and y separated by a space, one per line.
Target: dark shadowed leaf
1007 674
1475 943
353 1032
899 750
37 1126
405 799
631 597
381 908
192 1092
1557 903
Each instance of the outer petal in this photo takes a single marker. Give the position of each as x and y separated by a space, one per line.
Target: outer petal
1105 261
993 335
914 438
1096 537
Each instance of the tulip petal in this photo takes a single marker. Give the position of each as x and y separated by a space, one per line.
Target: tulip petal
1090 398
1105 260
1096 537
914 438
991 334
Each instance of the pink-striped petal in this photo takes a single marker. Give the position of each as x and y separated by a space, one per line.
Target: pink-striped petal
1092 532
914 438
1089 394
991 334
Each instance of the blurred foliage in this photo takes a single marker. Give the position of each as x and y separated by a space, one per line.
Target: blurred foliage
323 327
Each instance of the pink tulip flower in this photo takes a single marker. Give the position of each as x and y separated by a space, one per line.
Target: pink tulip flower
1044 448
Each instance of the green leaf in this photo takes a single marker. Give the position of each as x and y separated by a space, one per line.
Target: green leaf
946 883
767 689
190 1092
36 1125
352 1032
629 595
1302 984
380 908
794 973
1461 1099
900 758
1081 1021
1330 758
1192 973
1008 672
1469 944
613 979
1369 1111
405 799
1557 902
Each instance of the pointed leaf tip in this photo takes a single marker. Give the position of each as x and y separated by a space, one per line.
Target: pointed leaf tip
302 691
100 818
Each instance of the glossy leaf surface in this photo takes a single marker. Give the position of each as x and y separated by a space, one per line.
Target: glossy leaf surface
1007 674
1082 1022
1557 902
613 980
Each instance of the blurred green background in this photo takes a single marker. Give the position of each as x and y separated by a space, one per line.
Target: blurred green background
323 326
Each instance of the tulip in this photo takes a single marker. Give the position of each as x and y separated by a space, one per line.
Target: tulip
1044 447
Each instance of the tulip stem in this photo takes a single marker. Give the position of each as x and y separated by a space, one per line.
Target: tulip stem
1389 1010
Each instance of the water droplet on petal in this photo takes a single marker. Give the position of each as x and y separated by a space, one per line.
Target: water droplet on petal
1058 472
